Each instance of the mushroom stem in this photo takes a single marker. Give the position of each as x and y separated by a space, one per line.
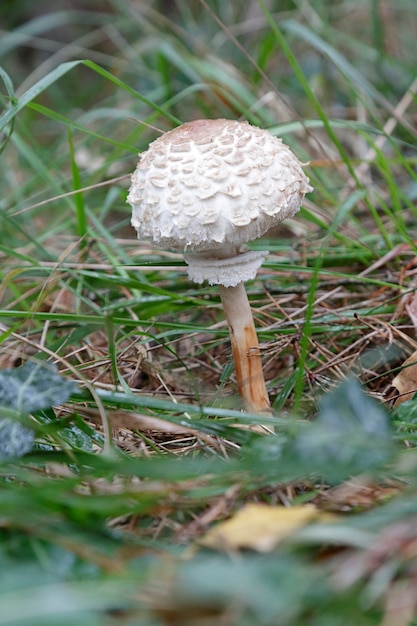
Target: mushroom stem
245 348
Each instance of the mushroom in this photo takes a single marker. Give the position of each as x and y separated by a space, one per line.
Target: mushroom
207 188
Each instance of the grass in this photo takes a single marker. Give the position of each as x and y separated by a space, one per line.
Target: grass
102 520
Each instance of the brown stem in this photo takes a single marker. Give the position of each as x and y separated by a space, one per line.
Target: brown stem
245 347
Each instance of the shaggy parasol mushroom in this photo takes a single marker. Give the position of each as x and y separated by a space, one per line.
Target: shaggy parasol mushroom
206 188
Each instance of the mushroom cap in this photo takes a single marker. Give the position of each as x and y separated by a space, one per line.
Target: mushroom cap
212 184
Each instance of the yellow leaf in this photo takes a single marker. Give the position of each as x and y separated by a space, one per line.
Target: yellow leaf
406 381
259 527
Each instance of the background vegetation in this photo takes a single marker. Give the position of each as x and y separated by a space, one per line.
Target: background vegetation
119 450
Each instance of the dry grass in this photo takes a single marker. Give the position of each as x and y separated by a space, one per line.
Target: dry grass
146 455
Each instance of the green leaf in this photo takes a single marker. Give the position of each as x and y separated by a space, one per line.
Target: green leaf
24 390
406 412
351 434
33 386
15 439
349 409
272 587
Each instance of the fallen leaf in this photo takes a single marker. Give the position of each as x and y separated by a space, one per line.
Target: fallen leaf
361 492
411 308
406 381
260 527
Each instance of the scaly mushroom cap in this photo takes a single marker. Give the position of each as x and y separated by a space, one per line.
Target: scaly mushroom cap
212 184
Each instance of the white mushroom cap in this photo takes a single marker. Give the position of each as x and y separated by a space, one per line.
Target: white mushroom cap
214 185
